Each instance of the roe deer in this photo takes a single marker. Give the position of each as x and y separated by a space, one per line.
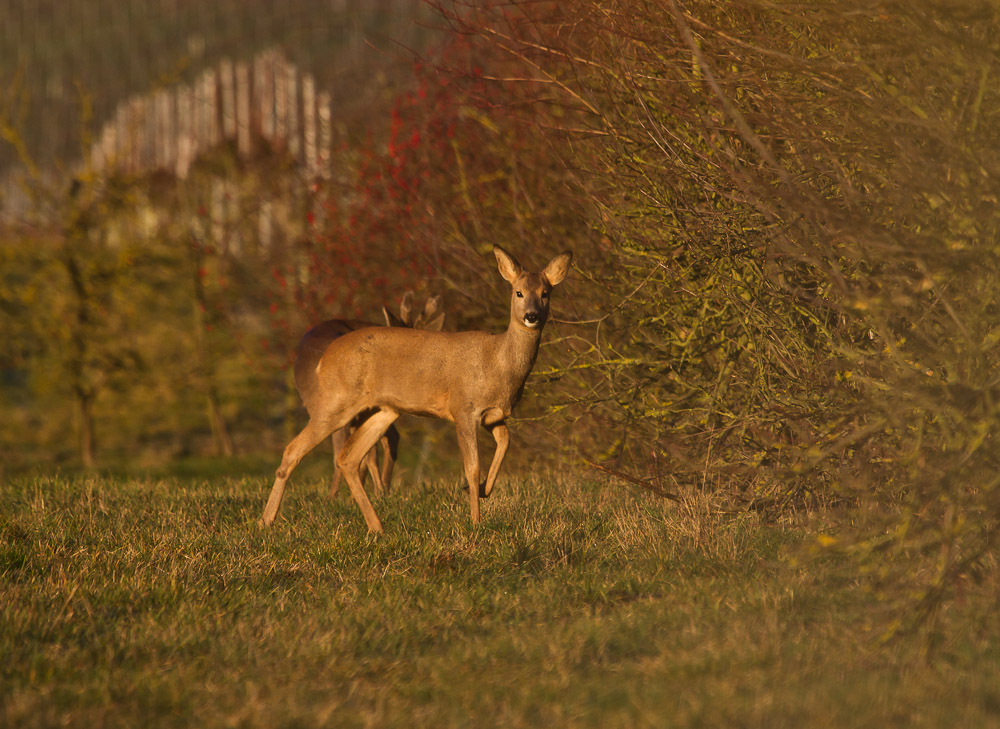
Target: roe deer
470 378
308 354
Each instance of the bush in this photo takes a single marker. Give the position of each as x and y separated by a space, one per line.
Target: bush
797 212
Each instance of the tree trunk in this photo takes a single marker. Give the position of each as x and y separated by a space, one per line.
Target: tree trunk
79 355
84 402
223 444
220 433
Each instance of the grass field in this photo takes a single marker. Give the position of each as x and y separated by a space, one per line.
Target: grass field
158 602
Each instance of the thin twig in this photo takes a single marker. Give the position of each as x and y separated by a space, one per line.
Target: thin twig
648 485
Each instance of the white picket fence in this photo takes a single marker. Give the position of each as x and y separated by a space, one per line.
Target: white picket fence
264 104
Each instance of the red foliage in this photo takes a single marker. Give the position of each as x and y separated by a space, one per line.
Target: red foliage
449 142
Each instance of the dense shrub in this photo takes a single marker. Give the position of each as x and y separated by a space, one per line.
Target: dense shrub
798 213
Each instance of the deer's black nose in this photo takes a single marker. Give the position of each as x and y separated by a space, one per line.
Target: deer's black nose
531 317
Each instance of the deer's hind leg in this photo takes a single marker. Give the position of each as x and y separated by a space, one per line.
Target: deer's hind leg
390 441
370 462
338 439
355 451
313 434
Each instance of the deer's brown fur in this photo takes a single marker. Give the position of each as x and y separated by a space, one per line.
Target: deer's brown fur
470 378
310 351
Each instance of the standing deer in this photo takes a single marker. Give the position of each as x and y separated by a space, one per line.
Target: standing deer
310 351
469 378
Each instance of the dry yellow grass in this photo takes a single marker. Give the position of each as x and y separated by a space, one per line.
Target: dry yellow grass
159 603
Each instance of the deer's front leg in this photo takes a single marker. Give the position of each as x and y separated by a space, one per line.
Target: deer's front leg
502 437
470 459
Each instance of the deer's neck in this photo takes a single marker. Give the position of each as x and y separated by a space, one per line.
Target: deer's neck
518 351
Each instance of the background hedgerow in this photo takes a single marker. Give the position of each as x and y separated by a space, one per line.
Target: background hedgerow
797 215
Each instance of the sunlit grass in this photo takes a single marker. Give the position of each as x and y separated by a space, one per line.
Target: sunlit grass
159 602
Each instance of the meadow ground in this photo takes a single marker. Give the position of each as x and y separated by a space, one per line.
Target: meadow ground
156 601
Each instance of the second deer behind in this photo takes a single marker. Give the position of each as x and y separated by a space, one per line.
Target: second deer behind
310 351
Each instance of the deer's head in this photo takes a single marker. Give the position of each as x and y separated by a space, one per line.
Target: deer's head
529 302
431 319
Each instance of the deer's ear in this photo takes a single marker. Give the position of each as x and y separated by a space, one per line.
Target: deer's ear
405 309
558 268
432 306
434 323
391 320
510 269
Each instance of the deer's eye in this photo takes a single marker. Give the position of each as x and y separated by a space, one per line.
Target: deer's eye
520 295
545 294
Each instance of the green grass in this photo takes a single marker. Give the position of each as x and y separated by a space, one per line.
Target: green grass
158 602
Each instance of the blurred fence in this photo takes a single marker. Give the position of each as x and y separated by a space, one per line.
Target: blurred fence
66 65
266 104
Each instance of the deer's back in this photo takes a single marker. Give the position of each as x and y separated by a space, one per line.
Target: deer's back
414 371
